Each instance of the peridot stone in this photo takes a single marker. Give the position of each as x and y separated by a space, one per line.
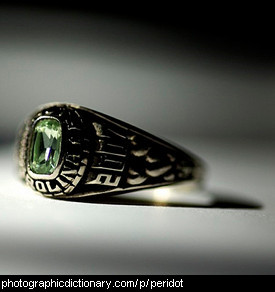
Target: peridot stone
46 146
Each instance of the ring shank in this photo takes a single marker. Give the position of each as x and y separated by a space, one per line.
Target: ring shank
127 158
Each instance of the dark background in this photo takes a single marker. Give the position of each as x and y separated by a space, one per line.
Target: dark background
201 75
192 70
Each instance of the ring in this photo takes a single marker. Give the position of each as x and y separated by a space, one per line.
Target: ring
69 151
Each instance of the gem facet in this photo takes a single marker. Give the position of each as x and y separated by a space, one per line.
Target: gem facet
46 146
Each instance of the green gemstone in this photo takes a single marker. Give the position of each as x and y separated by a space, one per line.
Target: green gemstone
45 146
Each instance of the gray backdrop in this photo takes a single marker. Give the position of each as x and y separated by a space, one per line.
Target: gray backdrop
217 103
142 74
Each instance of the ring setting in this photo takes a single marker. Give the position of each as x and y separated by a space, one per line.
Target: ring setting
68 151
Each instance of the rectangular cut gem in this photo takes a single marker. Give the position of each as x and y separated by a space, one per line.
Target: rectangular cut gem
45 146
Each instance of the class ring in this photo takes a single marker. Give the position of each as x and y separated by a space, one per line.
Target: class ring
69 151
